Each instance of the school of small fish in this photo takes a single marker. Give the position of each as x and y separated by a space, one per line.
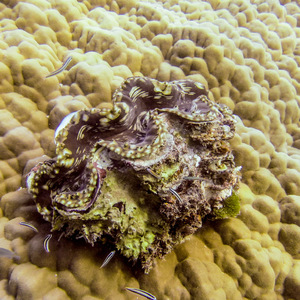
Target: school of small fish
10 254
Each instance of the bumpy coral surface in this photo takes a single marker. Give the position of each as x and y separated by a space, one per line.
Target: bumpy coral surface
166 138
246 53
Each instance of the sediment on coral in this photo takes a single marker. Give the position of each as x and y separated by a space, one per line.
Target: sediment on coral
246 53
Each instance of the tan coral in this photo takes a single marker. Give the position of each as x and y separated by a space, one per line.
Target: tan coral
245 53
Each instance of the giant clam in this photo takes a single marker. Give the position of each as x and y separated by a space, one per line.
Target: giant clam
142 175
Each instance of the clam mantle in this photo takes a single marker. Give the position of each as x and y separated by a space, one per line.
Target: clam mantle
142 175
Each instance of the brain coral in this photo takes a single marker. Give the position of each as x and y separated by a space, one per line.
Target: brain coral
246 53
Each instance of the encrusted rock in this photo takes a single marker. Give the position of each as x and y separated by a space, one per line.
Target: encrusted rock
143 174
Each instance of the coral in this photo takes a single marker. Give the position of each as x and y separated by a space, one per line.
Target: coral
245 53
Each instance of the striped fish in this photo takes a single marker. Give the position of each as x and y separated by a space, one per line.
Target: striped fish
153 173
193 178
29 226
7 253
108 258
175 194
142 293
46 243
62 68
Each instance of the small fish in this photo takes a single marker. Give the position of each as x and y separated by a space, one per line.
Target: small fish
175 194
142 293
61 235
153 173
29 226
46 243
108 258
62 68
192 178
7 253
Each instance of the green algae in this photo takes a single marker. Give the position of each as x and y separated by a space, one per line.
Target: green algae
231 207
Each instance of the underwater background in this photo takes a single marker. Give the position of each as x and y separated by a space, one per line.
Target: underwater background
246 53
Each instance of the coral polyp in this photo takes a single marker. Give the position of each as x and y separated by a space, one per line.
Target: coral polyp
143 174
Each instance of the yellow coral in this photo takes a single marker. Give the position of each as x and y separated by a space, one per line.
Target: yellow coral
245 53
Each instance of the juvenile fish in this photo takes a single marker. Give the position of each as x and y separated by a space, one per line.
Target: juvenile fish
142 293
61 235
192 178
108 258
29 226
46 243
7 253
153 173
62 68
175 194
